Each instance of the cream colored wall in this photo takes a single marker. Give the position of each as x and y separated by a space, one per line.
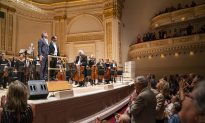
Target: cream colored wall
29 31
84 32
171 64
136 17
85 23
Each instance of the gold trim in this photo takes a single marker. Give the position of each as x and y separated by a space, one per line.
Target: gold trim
85 37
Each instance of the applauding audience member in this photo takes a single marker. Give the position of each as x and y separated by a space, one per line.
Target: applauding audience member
15 107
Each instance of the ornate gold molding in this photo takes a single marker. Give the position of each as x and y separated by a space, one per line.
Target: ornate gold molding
85 37
109 39
113 8
167 46
7 7
178 16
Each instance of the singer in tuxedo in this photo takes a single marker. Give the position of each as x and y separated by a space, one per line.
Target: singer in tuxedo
53 50
43 51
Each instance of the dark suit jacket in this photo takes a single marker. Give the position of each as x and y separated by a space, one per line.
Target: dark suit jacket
83 60
142 110
43 48
52 49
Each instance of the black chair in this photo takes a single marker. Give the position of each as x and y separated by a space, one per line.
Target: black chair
119 73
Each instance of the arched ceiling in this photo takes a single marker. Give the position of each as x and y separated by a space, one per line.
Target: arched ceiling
51 1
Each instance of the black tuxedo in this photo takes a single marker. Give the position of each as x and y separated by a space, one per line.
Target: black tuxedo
52 49
83 60
53 61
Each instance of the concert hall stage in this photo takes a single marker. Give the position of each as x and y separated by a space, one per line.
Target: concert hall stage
86 105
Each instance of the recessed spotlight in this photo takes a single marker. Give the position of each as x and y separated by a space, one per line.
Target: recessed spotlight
191 53
176 54
162 56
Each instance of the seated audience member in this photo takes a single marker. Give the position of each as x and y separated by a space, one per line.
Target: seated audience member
15 107
193 105
175 110
142 109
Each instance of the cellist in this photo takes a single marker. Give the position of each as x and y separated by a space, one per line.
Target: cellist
93 68
107 75
113 67
80 62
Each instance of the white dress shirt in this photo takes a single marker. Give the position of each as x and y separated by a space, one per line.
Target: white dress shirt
56 50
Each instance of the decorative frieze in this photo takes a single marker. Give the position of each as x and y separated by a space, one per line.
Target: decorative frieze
167 46
85 37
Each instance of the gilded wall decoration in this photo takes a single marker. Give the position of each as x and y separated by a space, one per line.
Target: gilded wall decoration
167 46
109 39
10 31
85 37
3 32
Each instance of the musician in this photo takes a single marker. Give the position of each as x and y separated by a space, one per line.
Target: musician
81 59
91 70
91 61
21 69
107 75
14 63
113 67
43 51
53 50
101 70
4 71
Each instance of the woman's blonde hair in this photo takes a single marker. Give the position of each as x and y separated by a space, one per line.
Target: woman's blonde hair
163 87
17 96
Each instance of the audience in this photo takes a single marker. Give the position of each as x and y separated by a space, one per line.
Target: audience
175 110
142 109
14 107
167 32
193 105
161 93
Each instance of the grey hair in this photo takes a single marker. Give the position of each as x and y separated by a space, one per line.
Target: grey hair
199 96
81 51
141 80
43 34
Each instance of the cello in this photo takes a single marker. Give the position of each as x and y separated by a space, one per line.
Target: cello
79 76
94 74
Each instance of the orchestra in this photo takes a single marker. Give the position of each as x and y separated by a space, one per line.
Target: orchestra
28 66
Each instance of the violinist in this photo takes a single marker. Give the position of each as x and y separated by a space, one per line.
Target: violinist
81 63
113 67
14 63
4 71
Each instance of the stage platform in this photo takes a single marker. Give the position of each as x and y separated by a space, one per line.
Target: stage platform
86 104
